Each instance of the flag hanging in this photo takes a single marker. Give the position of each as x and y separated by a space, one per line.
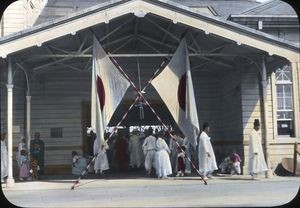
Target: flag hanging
175 87
108 89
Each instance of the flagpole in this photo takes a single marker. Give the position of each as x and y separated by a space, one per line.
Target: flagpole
157 116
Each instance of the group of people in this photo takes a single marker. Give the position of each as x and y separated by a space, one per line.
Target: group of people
29 168
167 155
157 152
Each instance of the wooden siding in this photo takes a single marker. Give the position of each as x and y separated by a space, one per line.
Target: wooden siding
20 15
231 106
56 102
14 19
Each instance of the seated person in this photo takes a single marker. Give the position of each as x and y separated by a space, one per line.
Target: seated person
79 164
225 165
34 168
235 163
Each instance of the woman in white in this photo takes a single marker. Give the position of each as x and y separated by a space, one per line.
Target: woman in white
162 159
4 158
257 161
206 155
101 162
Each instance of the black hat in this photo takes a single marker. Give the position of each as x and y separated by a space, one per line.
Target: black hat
205 125
256 122
150 130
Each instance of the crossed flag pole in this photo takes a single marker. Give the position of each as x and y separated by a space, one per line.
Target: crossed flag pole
140 95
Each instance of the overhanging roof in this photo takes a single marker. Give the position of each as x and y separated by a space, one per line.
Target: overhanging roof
167 9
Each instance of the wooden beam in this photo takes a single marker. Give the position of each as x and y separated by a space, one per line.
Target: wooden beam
165 35
158 42
122 45
149 46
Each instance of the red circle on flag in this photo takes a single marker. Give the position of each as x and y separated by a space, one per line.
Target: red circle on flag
181 93
101 92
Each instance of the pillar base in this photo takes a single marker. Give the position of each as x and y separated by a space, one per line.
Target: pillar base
10 182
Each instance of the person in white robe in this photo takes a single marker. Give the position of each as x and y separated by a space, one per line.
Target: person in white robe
101 162
174 150
162 159
149 149
257 163
4 158
188 149
206 155
135 149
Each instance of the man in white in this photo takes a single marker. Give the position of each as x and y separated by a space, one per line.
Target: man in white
101 162
149 148
162 159
206 155
135 149
4 158
257 161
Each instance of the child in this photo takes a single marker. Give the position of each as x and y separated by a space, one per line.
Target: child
235 160
181 161
24 166
34 168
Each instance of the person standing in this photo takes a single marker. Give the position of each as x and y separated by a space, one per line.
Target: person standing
206 155
257 161
162 160
4 158
37 150
121 152
21 146
149 148
174 150
188 150
24 167
135 150
101 162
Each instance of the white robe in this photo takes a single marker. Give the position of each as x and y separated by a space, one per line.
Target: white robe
162 159
4 160
101 162
136 151
257 162
206 164
149 148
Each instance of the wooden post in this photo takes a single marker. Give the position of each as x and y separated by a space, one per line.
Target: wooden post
295 157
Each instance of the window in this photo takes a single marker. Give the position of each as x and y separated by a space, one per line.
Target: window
56 132
284 92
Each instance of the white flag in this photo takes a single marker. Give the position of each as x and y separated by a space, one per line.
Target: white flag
108 89
175 87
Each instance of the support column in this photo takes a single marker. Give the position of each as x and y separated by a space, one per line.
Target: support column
10 180
28 123
265 85
295 80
